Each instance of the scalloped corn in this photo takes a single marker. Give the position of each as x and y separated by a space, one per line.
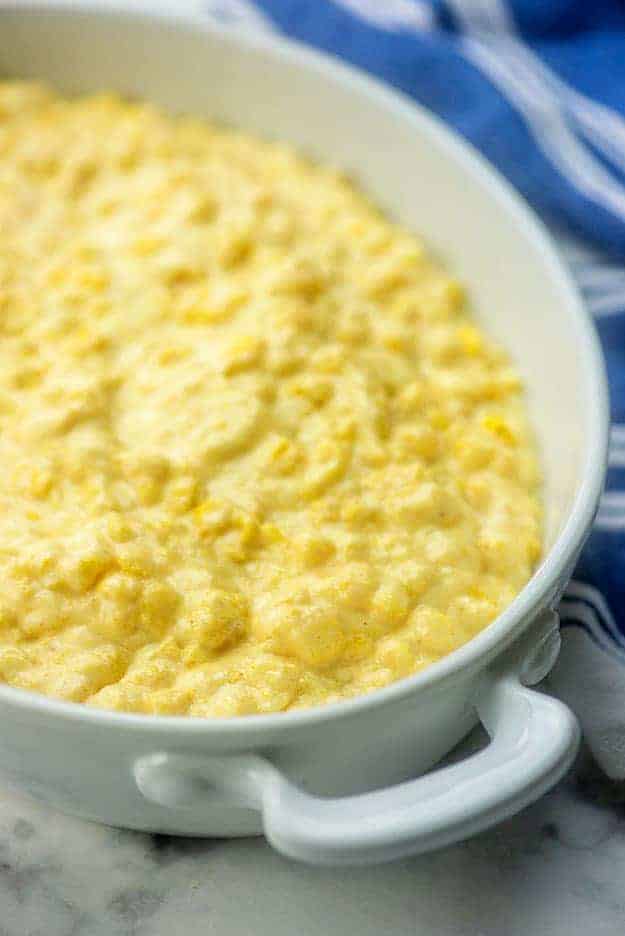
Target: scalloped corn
256 455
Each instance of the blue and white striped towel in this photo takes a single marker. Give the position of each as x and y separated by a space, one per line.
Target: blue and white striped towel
539 87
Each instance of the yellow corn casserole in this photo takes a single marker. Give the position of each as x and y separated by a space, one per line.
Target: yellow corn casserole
256 455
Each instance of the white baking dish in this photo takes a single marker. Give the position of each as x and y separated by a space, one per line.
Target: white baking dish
305 778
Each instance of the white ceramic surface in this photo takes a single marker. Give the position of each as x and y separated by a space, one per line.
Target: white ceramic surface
192 776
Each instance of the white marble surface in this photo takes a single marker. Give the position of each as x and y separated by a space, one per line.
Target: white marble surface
558 869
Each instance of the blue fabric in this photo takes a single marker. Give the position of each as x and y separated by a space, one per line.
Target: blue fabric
421 48
584 43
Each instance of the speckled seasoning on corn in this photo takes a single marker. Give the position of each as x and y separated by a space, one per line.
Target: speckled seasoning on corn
256 456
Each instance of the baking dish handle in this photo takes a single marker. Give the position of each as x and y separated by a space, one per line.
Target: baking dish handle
534 739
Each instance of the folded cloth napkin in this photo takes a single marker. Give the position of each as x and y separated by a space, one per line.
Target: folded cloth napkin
539 87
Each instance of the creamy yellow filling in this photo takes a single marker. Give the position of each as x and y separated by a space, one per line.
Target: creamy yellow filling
255 453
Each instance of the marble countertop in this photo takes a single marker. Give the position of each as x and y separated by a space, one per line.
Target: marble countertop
557 869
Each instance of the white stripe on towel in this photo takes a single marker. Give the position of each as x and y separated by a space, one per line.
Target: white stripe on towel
612 303
582 591
393 15
581 615
617 434
602 284
603 127
611 513
486 45
617 446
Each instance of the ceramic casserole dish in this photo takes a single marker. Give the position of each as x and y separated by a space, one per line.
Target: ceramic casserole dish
343 783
